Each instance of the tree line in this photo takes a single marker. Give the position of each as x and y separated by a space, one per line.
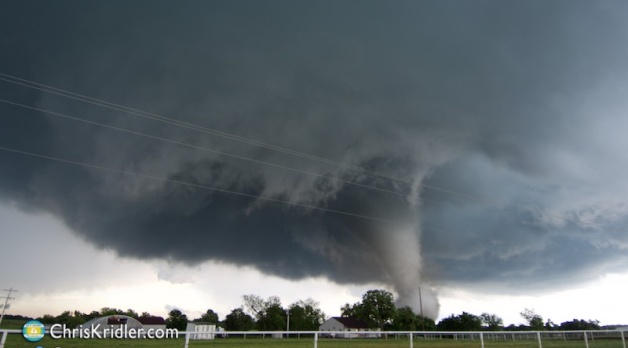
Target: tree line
491 322
377 310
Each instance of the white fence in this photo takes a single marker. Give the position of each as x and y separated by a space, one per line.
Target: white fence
4 336
584 337
478 338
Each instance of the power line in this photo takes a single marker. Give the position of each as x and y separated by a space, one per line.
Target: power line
163 119
204 187
200 148
209 188
206 130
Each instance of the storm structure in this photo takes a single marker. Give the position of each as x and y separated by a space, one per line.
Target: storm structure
406 143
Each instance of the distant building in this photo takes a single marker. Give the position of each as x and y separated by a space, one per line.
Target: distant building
112 322
351 325
202 331
108 326
156 323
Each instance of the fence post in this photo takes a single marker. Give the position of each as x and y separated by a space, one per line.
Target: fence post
187 339
623 339
482 339
315 339
538 336
586 341
412 343
4 338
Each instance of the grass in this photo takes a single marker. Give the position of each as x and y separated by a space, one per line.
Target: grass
17 341
12 324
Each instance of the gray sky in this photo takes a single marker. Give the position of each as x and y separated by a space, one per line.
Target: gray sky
513 111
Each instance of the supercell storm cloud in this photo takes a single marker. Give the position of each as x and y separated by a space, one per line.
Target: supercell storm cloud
501 123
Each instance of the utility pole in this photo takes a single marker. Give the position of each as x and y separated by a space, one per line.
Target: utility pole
421 306
288 323
6 298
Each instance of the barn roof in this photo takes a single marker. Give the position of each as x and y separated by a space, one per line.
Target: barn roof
152 320
351 322
113 320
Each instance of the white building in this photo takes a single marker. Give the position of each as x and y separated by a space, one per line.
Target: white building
203 331
354 327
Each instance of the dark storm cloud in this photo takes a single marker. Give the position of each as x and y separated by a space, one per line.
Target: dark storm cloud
516 104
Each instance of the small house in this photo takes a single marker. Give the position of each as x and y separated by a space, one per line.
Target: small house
349 324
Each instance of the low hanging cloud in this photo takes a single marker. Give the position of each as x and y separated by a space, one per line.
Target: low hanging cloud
513 110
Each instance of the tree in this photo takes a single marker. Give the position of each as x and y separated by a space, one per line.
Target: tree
131 313
110 311
405 320
535 321
351 311
269 313
549 325
70 319
208 317
273 318
462 322
254 304
492 322
92 315
580 325
47 319
306 315
378 308
513 327
237 320
176 320
425 323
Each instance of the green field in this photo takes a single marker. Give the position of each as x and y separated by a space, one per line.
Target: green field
17 341
13 324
